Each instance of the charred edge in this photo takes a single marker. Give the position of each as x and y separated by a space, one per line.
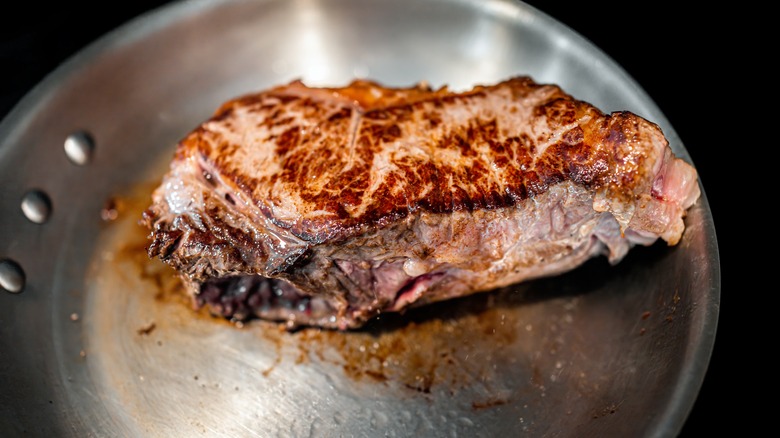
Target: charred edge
296 262
245 297
291 262
165 243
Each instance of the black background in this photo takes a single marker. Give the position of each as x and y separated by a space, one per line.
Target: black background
682 58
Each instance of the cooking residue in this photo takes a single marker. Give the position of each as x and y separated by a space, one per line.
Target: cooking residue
147 329
455 345
112 208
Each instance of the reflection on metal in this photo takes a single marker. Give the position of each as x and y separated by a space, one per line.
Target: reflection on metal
11 276
36 206
79 147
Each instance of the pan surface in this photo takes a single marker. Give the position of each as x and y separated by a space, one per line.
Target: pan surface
96 339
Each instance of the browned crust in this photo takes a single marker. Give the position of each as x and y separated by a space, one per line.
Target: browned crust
582 145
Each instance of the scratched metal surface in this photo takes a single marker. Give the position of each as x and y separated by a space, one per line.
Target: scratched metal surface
100 343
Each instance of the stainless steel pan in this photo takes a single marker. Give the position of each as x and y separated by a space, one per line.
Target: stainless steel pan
95 340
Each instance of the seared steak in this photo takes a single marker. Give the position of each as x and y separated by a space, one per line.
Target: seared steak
328 206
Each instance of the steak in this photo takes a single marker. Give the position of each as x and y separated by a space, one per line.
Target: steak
328 206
